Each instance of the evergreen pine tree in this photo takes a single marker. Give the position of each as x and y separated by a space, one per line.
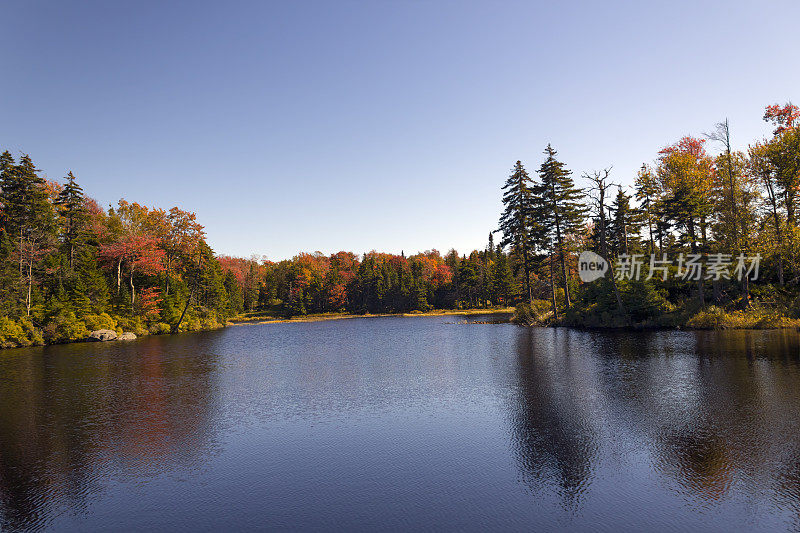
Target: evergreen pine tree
70 203
560 210
647 195
9 275
624 225
503 277
30 220
516 221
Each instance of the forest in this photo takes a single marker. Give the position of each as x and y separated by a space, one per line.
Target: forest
69 267
699 198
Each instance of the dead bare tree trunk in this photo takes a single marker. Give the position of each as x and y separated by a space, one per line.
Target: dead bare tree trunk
30 286
191 294
527 269
553 288
183 313
777 223
693 241
133 289
600 185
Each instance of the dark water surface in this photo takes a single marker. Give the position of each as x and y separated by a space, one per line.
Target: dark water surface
404 423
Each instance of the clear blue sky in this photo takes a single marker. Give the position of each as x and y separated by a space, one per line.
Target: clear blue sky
302 126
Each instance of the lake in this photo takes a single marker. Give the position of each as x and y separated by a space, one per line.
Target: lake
432 423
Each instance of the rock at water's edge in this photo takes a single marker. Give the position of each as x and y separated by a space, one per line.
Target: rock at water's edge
127 336
102 335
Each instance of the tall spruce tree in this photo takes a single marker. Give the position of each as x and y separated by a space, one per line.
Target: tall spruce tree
560 210
625 224
503 277
30 220
8 273
647 192
7 168
516 221
70 204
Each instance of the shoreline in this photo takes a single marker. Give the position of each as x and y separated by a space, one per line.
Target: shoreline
268 319
258 319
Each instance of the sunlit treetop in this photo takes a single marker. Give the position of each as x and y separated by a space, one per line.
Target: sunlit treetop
687 145
783 117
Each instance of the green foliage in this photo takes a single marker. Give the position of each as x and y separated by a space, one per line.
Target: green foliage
523 314
201 323
134 324
159 328
560 212
758 317
642 300
101 321
624 227
65 327
644 305
17 333
531 313
518 222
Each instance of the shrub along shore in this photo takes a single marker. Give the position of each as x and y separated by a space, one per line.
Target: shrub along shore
690 317
262 318
22 332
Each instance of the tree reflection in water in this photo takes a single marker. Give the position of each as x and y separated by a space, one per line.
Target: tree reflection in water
69 418
400 422
553 437
712 410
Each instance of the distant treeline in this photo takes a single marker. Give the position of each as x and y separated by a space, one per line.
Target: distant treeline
375 282
68 267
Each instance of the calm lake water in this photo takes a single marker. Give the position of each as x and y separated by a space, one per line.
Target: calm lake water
404 423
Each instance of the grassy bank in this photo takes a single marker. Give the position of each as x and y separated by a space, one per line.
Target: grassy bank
266 318
68 329
687 316
22 332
